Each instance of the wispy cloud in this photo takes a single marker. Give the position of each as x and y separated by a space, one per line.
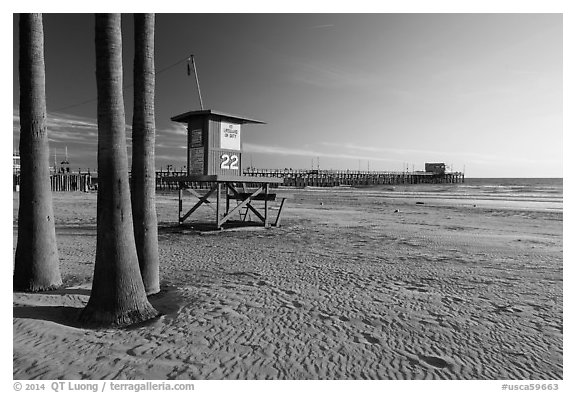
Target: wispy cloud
318 73
329 76
470 157
290 151
173 137
170 145
80 136
322 26
177 129
67 128
64 128
63 121
170 158
388 150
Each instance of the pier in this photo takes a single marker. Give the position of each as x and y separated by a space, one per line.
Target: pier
328 178
85 181
332 178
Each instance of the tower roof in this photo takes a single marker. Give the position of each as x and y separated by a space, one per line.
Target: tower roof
184 117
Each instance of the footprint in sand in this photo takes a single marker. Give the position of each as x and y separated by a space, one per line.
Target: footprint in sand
367 322
417 289
132 351
371 339
434 361
297 304
246 274
506 308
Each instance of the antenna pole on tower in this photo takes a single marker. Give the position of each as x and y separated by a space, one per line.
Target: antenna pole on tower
197 83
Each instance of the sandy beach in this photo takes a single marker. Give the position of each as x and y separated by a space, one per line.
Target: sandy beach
368 285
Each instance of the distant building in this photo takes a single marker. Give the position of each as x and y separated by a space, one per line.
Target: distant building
64 165
438 168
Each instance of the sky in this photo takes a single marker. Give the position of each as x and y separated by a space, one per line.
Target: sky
481 92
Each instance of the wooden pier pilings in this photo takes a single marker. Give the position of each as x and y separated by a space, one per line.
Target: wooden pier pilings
71 182
63 182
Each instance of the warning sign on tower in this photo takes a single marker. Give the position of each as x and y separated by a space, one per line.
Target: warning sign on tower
229 136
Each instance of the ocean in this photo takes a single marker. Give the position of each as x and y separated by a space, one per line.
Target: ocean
542 194
552 187
524 193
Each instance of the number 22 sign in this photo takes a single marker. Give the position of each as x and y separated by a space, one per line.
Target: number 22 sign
229 161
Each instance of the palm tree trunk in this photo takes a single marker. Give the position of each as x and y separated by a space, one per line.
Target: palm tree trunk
36 264
143 165
118 297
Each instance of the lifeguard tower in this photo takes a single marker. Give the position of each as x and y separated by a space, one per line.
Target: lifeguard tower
214 142
214 155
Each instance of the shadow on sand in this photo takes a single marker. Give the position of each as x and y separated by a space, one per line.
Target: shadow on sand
168 303
62 315
69 291
200 228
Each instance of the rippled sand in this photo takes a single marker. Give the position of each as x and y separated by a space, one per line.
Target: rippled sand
352 286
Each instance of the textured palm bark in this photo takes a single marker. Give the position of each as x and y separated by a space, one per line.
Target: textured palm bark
143 161
36 264
118 297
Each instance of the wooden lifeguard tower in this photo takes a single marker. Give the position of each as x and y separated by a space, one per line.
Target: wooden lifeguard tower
214 142
214 155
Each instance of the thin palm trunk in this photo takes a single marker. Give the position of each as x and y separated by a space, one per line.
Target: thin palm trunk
36 264
143 165
118 297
